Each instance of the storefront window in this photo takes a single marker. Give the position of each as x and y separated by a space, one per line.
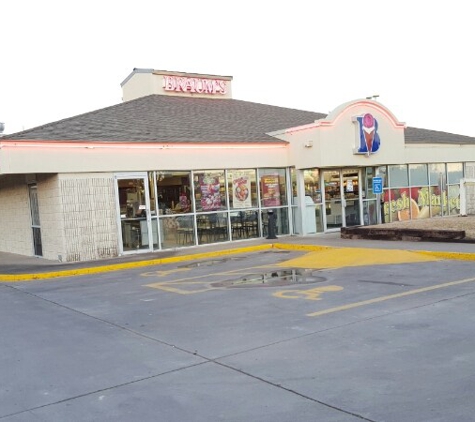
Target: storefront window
370 213
390 209
281 221
382 172
368 183
210 190
454 199
437 201
273 192
153 196
242 188
293 179
212 228
174 192
436 173
414 199
177 231
244 224
398 176
438 189
418 175
312 185
454 172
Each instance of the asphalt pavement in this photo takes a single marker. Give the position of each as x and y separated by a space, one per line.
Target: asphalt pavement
377 331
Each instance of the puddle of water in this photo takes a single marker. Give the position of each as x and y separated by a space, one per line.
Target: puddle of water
280 277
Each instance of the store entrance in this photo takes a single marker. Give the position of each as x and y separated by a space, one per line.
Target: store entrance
342 198
134 211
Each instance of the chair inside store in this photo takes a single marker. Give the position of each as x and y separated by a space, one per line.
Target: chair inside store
250 223
184 231
237 225
212 228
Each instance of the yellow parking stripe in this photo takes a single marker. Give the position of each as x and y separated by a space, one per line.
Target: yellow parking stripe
389 297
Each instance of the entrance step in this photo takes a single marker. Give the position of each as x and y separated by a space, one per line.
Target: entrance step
380 233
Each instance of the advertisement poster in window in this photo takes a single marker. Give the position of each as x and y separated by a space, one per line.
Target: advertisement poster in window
210 192
241 190
270 190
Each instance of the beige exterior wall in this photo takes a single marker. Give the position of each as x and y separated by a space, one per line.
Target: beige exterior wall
138 157
139 85
331 142
438 153
15 219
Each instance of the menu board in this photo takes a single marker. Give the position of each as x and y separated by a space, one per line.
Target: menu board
241 190
270 190
210 192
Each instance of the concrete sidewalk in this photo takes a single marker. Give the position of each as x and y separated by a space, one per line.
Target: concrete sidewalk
20 268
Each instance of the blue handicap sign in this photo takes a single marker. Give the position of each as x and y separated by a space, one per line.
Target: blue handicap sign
377 184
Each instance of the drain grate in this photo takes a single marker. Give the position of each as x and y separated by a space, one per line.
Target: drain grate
279 277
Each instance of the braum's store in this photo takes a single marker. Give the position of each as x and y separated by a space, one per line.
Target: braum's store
181 163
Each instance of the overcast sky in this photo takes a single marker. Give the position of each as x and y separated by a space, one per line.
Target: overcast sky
63 58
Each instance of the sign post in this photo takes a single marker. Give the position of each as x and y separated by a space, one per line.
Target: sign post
378 190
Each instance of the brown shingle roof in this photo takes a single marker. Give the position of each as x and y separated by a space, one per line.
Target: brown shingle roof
415 135
159 118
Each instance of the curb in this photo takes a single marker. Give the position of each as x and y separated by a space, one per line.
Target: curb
160 261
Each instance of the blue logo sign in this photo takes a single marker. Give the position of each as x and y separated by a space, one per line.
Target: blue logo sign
377 185
369 137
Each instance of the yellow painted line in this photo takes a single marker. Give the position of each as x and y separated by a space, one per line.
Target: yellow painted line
169 287
244 271
462 256
163 273
295 247
389 297
128 265
309 294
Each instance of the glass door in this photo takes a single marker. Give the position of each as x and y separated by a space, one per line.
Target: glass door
350 190
333 203
342 199
134 211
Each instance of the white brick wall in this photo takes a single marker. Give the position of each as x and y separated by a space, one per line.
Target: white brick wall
49 203
89 217
78 216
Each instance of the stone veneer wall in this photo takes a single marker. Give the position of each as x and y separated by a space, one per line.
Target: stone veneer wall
15 219
89 217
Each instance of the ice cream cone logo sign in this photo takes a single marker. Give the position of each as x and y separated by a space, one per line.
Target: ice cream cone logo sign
369 141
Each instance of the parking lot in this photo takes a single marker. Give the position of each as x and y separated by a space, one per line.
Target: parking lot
272 335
